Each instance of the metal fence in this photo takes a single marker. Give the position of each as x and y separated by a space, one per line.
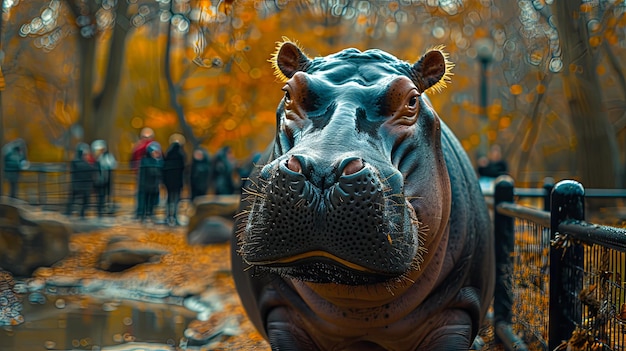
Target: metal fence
559 279
49 184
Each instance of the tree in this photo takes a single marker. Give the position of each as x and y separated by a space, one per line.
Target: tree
200 67
596 147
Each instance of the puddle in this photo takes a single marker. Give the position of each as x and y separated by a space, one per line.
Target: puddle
79 322
52 317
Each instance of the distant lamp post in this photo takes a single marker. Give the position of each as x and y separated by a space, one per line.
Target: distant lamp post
484 53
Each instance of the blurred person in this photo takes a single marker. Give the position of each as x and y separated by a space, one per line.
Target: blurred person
14 162
490 167
82 174
200 174
246 167
150 178
146 136
494 165
173 175
223 172
104 163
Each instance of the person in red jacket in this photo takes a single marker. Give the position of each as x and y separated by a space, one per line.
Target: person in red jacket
139 149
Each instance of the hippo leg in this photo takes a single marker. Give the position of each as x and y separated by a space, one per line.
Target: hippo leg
283 335
455 332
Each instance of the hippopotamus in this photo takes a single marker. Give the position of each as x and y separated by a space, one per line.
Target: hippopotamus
363 226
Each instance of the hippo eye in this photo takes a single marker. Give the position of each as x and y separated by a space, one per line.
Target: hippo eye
412 102
412 99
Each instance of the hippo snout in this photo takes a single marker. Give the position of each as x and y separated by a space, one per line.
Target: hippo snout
342 217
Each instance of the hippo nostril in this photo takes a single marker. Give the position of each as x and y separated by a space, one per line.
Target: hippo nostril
353 166
294 164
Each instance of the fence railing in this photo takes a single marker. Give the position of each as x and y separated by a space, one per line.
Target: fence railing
559 279
49 184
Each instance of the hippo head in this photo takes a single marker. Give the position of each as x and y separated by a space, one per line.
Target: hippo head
355 190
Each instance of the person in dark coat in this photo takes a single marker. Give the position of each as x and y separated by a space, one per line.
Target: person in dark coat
104 163
14 162
494 165
82 175
173 173
146 136
150 178
200 174
223 172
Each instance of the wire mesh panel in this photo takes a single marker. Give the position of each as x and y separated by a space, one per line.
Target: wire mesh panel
531 283
603 299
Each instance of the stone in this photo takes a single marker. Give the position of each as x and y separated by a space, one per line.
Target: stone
123 253
211 230
28 239
212 221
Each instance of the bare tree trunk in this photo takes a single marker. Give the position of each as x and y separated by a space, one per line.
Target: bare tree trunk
173 92
97 111
596 148
106 102
87 54
87 47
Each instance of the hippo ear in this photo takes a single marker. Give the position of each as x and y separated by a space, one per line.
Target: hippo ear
433 71
288 59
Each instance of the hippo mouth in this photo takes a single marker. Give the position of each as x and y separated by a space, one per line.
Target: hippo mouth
359 230
322 267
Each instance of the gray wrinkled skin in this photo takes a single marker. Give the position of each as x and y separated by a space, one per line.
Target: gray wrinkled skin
363 226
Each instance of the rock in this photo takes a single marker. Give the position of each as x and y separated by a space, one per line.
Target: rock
212 220
211 230
122 254
29 240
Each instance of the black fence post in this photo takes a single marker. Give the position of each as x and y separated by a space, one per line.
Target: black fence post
566 259
548 185
504 231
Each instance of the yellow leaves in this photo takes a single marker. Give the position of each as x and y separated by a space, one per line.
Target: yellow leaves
361 20
266 116
393 6
65 114
229 124
504 122
156 118
586 7
600 70
516 89
136 122
540 88
595 41
200 119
